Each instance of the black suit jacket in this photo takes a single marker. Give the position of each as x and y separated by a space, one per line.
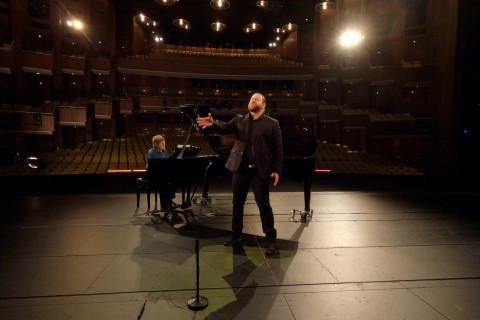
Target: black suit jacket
268 145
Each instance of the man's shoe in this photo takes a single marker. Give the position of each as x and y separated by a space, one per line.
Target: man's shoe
271 247
233 240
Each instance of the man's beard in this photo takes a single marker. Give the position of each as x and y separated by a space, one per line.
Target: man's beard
254 108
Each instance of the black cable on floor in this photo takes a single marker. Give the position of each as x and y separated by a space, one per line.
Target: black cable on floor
140 313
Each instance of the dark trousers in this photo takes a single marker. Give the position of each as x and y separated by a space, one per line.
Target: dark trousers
241 183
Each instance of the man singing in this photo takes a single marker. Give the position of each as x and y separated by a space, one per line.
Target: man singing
256 157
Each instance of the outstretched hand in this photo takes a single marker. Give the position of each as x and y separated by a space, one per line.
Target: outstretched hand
275 176
205 122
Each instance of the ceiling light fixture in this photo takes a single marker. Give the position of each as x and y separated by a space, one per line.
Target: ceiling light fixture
262 3
166 2
218 26
141 18
277 30
182 24
252 27
350 38
76 24
324 5
220 4
270 5
290 27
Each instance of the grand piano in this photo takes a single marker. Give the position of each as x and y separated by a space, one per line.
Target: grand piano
299 148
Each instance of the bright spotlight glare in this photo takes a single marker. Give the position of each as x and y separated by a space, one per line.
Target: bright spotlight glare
350 38
77 24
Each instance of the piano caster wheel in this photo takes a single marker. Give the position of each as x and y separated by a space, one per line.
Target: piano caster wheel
206 201
305 216
203 201
292 214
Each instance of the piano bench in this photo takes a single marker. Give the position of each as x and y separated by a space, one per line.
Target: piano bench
148 186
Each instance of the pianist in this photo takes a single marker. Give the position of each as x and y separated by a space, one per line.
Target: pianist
256 157
158 151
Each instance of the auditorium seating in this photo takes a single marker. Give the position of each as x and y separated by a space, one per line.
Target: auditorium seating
128 153
97 157
333 122
341 159
218 58
212 94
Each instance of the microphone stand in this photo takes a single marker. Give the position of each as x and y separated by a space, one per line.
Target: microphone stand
197 302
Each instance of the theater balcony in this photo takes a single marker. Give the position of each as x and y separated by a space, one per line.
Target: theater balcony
215 65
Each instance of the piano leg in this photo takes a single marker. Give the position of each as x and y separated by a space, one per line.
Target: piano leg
307 193
307 213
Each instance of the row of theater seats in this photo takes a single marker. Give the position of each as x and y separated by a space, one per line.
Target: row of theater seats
180 96
223 59
390 116
221 54
340 159
98 157
128 153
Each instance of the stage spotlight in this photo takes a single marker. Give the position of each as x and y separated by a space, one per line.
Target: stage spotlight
166 2
350 38
76 24
324 5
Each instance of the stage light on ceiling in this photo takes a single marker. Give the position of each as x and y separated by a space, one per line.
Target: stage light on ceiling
182 24
76 24
252 27
220 4
350 38
271 5
290 27
262 4
166 2
324 5
141 18
218 26
277 30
